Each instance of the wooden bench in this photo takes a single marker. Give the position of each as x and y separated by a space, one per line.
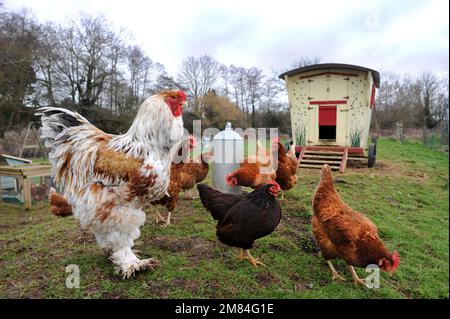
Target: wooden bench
24 173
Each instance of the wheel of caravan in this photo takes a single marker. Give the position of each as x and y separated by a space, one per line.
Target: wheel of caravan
372 154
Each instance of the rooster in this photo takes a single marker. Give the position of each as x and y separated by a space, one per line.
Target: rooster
254 171
243 218
286 169
109 179
344 233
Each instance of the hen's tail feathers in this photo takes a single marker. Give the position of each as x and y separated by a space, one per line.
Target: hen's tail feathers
58 204
207 194
326 180
216 202
55 120
326 177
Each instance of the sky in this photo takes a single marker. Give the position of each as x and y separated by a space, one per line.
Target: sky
402 36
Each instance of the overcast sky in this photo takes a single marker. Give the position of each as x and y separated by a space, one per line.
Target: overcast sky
407 36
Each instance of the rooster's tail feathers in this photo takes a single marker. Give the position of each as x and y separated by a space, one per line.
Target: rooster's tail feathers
55 120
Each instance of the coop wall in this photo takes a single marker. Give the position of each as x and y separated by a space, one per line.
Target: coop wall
352 118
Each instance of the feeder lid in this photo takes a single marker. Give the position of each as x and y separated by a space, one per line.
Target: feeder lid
227 134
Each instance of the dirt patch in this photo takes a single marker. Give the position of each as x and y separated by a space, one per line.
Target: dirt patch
158 289
85 238
189 285
267 279
194 246
16 291
299 284
297 229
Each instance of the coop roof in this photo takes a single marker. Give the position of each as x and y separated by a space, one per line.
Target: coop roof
13 159
322 66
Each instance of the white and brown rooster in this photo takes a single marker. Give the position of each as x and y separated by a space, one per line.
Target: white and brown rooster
109 179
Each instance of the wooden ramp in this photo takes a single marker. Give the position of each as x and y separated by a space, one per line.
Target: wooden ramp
310 158
336 157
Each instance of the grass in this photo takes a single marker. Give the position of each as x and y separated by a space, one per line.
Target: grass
406 195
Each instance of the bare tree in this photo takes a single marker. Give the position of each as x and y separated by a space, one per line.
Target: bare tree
141 68
199 76
46 58
17 75
305 61
164 81
254 79
225 78
86 47
429 84
238 75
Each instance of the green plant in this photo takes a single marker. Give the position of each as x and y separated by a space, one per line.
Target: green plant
355 137
300 135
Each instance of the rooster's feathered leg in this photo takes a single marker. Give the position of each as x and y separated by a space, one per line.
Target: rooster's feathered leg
115 231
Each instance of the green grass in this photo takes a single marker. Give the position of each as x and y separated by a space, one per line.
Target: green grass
406 195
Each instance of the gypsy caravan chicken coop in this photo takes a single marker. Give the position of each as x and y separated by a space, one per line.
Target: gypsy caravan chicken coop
331 106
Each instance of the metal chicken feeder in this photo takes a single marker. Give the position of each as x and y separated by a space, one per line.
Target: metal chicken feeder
228 149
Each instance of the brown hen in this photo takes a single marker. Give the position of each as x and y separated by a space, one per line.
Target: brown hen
344 233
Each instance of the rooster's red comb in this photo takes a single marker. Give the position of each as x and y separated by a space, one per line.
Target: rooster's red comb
182 95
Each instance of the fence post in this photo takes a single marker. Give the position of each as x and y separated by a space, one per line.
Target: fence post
399 131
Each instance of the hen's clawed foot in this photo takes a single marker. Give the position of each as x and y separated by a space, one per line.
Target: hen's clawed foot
359 281
255 262
334 274
241 255
337 277
167 221
356 279
159 217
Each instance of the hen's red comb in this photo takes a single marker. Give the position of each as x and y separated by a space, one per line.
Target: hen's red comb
274 184
396 259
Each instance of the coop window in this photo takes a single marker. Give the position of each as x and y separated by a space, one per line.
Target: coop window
327 132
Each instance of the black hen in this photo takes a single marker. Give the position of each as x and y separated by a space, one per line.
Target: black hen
243 218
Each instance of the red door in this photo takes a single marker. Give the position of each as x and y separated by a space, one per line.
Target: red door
327 115
327 122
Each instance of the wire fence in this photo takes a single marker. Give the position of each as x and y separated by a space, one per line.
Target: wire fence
436 138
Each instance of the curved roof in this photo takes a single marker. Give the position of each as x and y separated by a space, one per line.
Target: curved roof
321 66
